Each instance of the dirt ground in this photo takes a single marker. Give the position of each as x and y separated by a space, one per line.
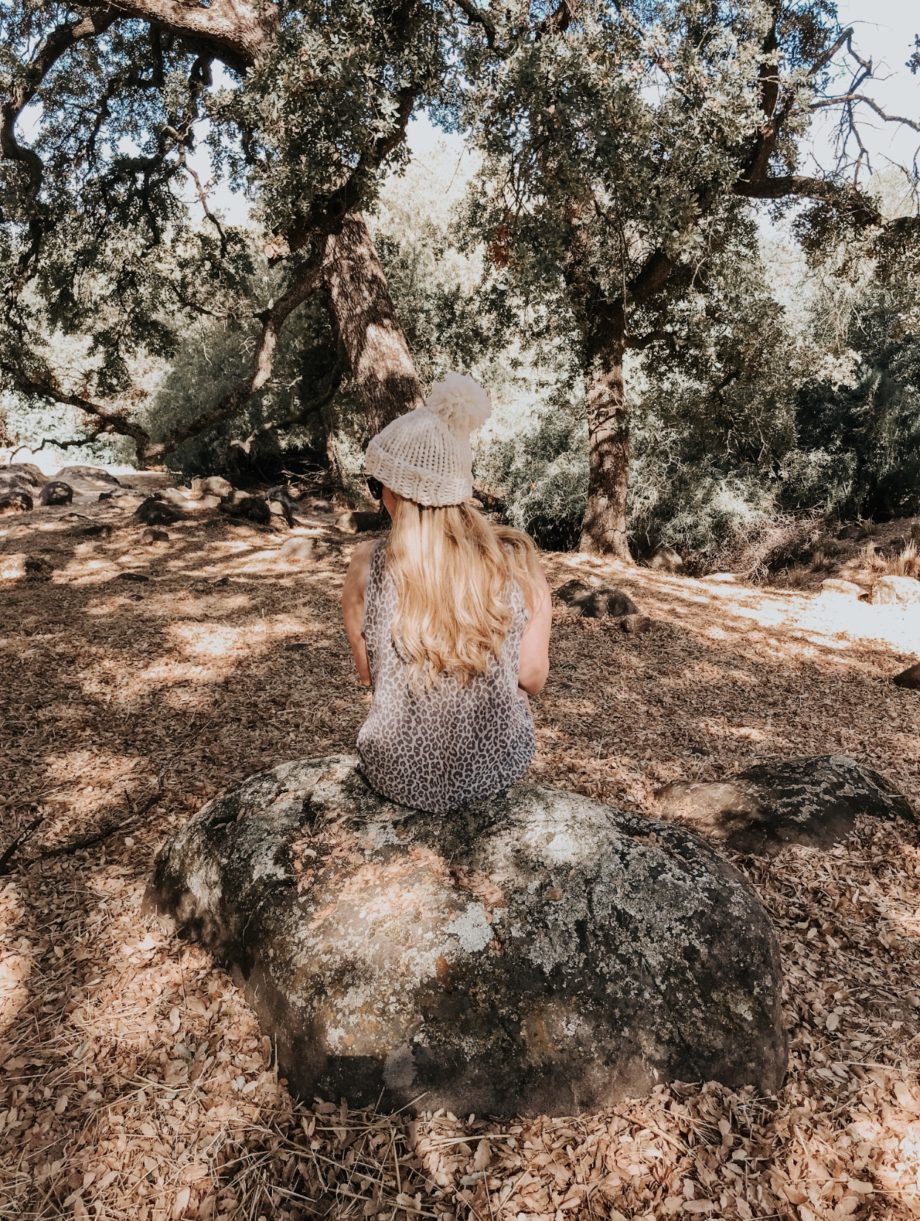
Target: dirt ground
138 681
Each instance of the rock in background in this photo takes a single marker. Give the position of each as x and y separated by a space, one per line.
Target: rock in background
783 801
537 952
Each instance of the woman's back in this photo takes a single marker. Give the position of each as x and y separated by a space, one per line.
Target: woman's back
437 747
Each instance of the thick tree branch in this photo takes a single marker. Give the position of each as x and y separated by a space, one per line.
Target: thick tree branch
236 32
477 16
848 199
306 279
44 385
323 396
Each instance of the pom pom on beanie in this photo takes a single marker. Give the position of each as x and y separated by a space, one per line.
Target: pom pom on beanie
425 455
460 402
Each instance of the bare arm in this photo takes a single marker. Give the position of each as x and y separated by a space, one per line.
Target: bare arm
353 609
534 663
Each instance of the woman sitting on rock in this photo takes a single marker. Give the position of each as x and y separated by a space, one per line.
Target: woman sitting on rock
448 617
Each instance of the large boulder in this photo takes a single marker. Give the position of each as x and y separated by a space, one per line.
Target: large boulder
783 801
666 559
896 591
538 951
252 509
212 485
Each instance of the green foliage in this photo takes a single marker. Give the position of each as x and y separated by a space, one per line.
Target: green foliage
540 467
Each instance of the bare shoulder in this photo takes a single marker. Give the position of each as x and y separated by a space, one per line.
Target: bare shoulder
359 562
362 551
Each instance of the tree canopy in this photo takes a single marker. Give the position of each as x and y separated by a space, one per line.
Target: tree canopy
625 147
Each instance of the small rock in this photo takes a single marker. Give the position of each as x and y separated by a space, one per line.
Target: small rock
356 521
666 559
909 678
249 509
634 624
175 496
296 646
593 602
212 485
133 576
783 801
57 492
896 591
106 495
16 502
98 529
151 536
156 512
836 585
38 568
300 550
316 504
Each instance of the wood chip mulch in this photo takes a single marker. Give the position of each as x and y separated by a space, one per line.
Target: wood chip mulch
135 1082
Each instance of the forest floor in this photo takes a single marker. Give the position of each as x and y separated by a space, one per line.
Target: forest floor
139 681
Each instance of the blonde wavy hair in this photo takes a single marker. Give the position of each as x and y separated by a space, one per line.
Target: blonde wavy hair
451 567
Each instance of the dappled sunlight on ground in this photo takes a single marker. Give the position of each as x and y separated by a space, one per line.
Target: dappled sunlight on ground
137 1083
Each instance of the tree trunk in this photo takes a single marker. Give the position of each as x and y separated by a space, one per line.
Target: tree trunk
604 528
382 369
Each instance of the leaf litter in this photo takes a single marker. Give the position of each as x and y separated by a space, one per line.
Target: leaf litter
136 1082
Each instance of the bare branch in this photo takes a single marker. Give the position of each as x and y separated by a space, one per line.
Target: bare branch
45 385
849 98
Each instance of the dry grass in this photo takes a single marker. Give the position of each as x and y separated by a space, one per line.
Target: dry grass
860 552
136 1083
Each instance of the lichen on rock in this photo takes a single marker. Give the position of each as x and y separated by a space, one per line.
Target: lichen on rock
538 951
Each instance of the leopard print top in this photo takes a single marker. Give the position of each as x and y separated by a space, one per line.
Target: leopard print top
439 748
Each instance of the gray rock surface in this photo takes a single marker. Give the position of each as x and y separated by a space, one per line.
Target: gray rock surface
57 492
538 951
212 485
593 602
783 801
19 501
909 678
92 476
666 559
896 591
157 512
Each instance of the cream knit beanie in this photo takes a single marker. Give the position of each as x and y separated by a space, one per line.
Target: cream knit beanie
425 455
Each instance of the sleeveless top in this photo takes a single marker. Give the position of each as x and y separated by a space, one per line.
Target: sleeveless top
438 748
